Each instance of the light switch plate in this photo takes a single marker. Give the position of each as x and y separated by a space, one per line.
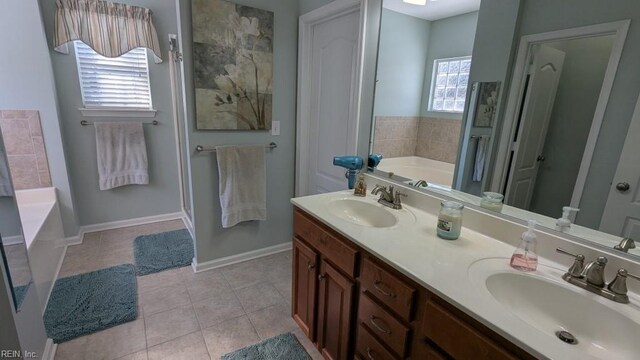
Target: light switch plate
275 128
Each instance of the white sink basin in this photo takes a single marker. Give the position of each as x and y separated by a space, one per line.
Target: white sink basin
363 213
602 328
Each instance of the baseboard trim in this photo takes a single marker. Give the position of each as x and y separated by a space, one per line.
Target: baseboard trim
77 240
233 259
49 351
131 222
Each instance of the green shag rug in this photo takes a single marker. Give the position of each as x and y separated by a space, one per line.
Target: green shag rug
283 346
86 303
157 252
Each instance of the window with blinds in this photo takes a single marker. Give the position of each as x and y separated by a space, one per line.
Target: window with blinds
113 83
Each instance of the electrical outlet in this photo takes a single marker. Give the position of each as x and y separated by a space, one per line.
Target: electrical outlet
275 128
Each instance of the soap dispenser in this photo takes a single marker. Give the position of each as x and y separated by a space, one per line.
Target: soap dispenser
525 257
564 223
361 187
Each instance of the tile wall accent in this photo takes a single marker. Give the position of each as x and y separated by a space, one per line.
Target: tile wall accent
438 139
22 135
395 136
432 138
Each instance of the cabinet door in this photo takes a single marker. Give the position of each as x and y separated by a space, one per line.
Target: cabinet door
305 274
334 313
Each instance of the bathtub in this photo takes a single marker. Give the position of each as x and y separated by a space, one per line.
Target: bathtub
419 168
43 236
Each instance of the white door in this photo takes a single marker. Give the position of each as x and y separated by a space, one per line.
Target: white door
536 112
622 213
328 98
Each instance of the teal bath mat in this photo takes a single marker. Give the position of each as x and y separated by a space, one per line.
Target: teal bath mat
157 252
86 303
283 346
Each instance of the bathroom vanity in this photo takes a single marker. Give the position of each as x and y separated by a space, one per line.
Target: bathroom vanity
370 282
349 302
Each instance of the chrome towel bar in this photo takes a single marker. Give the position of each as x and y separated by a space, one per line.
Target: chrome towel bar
200 148
154 122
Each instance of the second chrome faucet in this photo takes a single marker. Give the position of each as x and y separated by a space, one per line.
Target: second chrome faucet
591 277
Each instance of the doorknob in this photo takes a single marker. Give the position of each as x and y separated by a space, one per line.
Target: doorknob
540 158
623 186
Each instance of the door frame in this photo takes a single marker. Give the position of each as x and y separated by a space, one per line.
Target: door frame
516 91
305 43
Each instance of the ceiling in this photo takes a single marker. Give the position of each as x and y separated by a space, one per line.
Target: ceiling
434 9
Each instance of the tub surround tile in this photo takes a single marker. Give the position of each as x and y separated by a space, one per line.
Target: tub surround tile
25 148
432 138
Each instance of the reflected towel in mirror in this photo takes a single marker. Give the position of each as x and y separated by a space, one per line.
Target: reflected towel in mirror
481 153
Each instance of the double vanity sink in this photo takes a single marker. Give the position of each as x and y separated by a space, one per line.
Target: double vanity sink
539 311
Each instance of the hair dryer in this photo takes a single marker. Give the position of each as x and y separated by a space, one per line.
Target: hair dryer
374 160
352 164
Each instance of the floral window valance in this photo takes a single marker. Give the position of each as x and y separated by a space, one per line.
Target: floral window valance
110 29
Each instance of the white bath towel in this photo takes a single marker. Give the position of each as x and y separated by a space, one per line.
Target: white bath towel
481 153
122 154
243 183
5 177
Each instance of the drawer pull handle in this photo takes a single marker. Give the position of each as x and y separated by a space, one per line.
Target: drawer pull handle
311 266
320 277
373 322
379 286
369 355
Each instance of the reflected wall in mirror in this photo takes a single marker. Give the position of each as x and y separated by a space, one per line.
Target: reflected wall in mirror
564 130
13 249
424 60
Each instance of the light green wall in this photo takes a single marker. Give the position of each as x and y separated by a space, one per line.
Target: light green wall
309 5
26 83
402 56
579 88
212 241
548 15
162 195
449 37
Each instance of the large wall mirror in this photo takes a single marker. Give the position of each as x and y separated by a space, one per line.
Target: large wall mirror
527 100
13 248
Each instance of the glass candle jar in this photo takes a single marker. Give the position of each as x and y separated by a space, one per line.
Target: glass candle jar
492 201
450 220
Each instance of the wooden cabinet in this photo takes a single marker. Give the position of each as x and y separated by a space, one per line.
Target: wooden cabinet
354 306
305 275
335 296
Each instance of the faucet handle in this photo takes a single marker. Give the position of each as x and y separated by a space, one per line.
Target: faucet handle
578 265
619 284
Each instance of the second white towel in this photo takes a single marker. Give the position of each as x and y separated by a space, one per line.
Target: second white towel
243 185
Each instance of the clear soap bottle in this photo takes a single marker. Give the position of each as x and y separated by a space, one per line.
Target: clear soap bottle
525 257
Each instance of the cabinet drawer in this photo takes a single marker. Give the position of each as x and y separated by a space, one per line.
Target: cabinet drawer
384 325
458 338
388 288
369 348
339 253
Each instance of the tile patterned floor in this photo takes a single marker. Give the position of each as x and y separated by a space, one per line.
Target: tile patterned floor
183 315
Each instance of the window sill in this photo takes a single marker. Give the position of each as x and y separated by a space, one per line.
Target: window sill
135 113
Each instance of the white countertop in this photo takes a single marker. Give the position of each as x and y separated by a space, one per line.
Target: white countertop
442 267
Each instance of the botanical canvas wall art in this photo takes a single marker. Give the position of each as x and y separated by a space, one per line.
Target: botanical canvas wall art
233 65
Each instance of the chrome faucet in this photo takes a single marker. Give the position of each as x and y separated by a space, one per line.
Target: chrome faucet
591 277
388 197
625 245
421 183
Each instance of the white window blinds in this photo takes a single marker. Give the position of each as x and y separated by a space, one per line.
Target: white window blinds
121 82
